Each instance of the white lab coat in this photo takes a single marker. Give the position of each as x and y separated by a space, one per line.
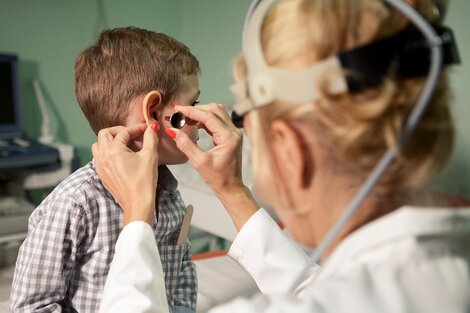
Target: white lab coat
412 260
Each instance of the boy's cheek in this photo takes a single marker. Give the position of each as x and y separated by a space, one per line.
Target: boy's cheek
164 146
171 157
168 152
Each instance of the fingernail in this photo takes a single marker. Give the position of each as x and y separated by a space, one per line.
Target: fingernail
155 127
170 133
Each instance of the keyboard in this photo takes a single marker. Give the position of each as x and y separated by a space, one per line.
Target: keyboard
18 153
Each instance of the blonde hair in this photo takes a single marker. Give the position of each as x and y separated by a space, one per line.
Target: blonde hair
356 129
125 63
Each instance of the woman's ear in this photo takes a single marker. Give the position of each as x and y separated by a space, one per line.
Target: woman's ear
151 106
293 156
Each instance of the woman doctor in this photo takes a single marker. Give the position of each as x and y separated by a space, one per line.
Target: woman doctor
314 143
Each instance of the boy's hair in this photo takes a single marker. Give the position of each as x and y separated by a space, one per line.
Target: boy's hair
123 64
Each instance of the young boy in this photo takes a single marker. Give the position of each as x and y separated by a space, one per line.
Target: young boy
130 76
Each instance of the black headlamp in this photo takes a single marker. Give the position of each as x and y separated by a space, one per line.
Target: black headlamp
404 55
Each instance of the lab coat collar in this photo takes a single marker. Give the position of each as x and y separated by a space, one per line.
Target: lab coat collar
405 222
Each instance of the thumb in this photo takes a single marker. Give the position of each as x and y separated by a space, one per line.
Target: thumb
186 145
150 139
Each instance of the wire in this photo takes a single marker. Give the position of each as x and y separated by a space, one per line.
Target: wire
389 156
251 9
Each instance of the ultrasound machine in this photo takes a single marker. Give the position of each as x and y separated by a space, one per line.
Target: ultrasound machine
19 155
17 152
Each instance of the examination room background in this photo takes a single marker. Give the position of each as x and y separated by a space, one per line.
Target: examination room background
48 34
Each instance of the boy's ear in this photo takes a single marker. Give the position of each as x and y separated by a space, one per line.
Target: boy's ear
151 106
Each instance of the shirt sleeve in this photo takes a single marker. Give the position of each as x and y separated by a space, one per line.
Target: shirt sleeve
47 258
186 290
135 282
268 254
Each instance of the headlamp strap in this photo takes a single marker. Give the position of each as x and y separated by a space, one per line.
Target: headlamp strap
404 55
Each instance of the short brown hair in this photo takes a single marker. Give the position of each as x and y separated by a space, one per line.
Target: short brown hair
123 64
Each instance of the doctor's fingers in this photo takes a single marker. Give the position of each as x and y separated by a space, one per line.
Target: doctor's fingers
114 130
106 136
103 165
217 109
113 141
126 134
221 112
214 119
149 146
214 161
94 150
194 154
99 158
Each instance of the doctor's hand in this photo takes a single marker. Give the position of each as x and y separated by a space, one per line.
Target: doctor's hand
130 176
220 167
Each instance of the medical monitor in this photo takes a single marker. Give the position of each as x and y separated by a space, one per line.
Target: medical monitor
10 111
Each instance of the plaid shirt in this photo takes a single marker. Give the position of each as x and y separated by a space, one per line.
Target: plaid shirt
64 261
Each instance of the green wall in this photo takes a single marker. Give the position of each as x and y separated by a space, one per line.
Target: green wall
456 178
48 34
212 29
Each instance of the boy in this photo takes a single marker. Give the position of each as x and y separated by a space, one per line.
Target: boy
130 76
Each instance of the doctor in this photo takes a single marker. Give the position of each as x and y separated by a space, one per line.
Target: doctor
315 140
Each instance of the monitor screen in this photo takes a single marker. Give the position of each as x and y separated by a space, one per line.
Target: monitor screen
9 102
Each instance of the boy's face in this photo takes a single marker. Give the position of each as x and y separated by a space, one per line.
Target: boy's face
168 153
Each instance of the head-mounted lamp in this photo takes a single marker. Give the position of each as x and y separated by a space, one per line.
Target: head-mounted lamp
406 52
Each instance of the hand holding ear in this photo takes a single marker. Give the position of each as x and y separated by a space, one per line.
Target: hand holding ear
130 176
